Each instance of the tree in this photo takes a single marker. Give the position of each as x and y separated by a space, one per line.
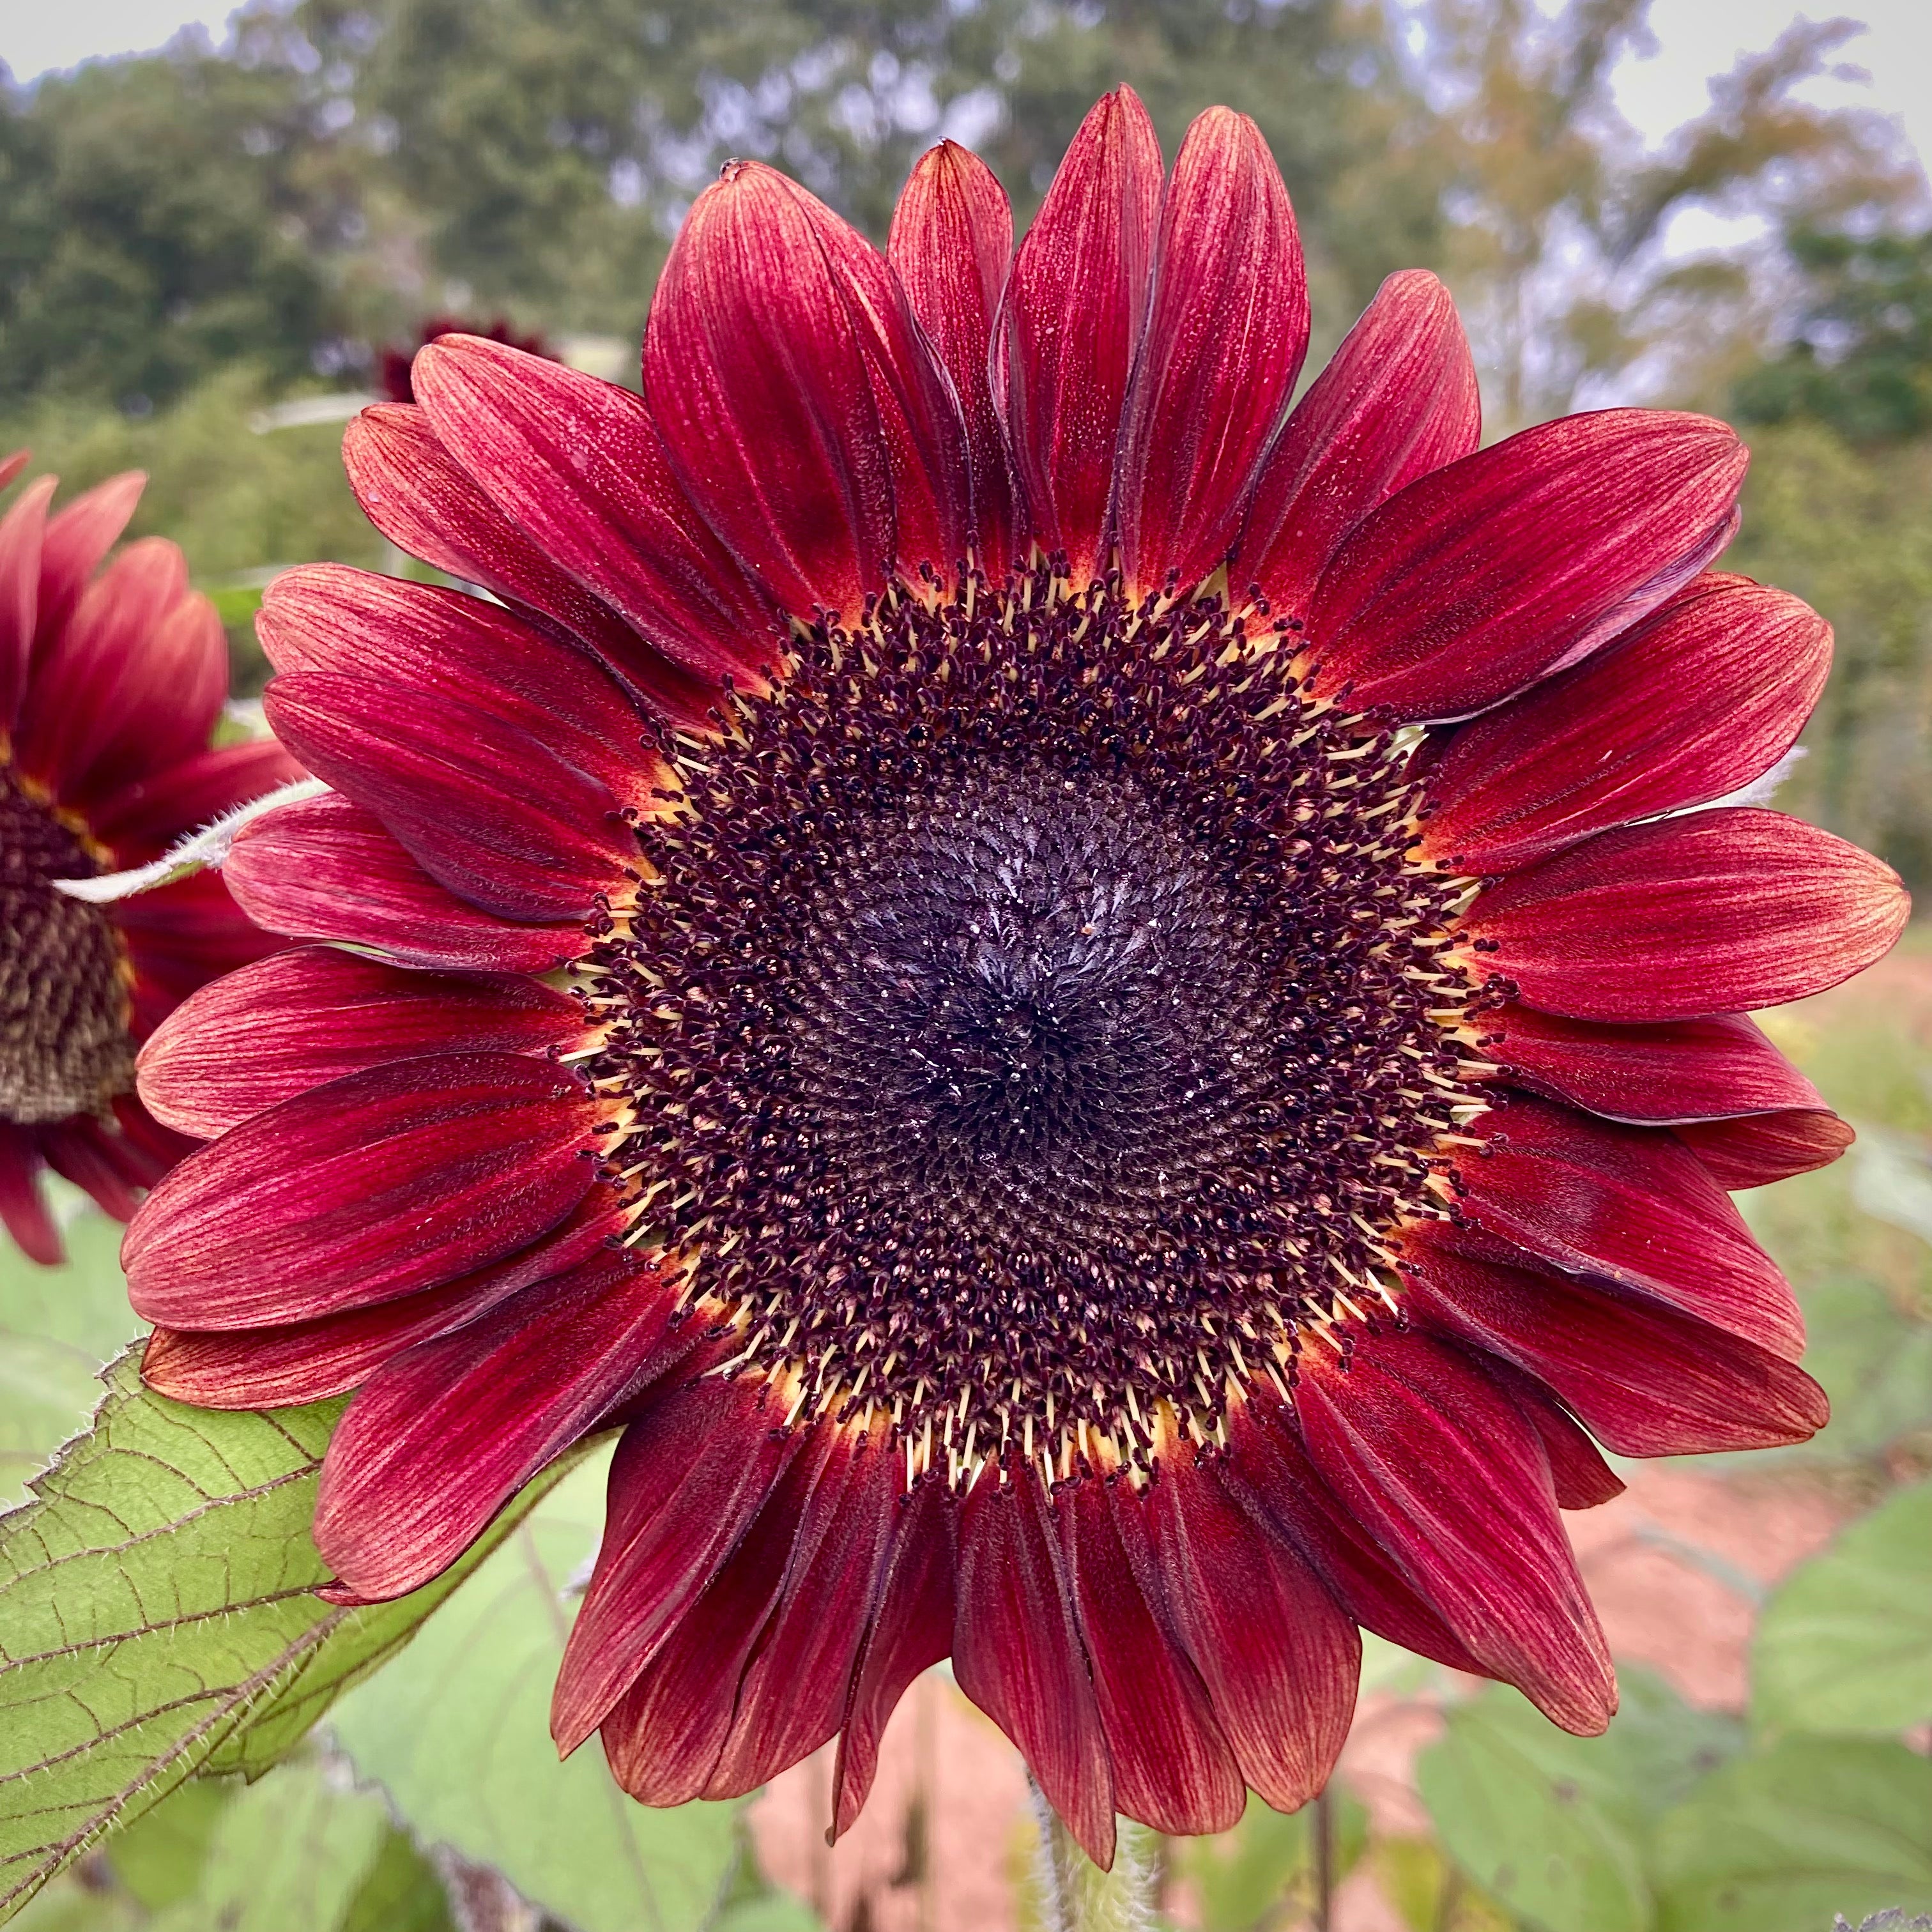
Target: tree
156 224
1860 358
1562 247
551 146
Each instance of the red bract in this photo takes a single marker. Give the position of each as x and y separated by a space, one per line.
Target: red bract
1095 1128
109 685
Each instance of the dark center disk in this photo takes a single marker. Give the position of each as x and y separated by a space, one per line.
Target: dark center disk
64 1048
1031 1019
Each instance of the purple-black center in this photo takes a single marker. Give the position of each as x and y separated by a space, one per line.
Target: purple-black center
1033 1020
64 1047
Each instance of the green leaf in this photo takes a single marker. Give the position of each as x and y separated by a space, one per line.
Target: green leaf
157 1617
1872 1361
57 1326
1542 1821
458 1730
1429 1894
1779 1842
1657 1749
1244 1878
402 1892
289 1855
1845 1643
776 1912
160 1857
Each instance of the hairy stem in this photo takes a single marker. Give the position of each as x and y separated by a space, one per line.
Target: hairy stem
1075 1895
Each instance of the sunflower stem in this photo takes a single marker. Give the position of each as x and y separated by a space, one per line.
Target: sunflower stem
1074 1895
1323 1828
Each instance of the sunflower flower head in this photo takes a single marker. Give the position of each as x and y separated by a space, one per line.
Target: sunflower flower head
109 685
1092 1009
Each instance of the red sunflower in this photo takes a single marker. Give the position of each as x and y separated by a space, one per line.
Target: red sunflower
394 364
109 686
1092 1014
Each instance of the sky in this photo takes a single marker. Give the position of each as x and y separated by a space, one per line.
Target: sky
1696 38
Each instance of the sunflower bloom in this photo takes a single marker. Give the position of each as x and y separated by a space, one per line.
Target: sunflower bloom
109 686
1092 1014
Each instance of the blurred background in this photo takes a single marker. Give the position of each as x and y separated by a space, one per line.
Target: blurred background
210 253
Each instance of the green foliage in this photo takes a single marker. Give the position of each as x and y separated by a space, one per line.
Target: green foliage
1781 1841
1845 1643
1850 532
1262 1874
57 1326
150 230
456 1730
157 1617
159 1858
1429 1893
401 1893
1555 1827
289 1854
1854 1237
1861 360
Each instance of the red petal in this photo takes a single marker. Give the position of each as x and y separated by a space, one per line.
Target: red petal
1757 1149
376 1186
794 1696
301 1018
1647 1379
756 369
909 1628
1702 698
1677 1070
304 1361
141 819
1579 1475
1173 1769
180 936
1017 1652
1492 573
22 531
493 812
661 1739
11 465
443 1435
952 244
723 1706
1269 1474
1454 1484
76 541
1629 1207
1280 1657
579 465
1225 335
136 682
452 648
417 494
23 1209
1398 400
1717 912
323 868
687 1482
918 414
1070 327
78 1152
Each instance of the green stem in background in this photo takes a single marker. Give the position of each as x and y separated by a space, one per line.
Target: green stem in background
1075 1895
1322 1825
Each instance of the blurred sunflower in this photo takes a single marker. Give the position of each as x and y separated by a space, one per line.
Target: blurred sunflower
944 957
394 363
109 686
